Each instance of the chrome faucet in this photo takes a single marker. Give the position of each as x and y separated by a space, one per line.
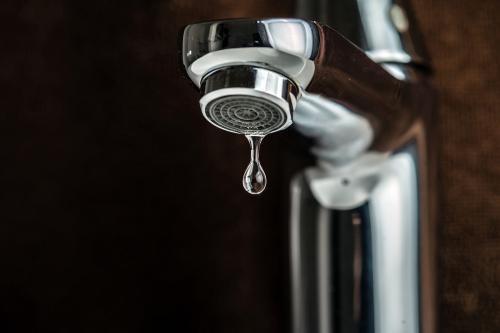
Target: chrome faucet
362 219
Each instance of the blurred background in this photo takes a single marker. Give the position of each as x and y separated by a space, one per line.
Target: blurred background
121 208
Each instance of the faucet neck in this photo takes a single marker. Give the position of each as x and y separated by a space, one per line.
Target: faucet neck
384 29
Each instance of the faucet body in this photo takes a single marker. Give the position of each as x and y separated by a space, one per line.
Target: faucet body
362 219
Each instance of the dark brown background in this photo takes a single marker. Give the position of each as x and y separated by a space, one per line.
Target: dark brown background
121 209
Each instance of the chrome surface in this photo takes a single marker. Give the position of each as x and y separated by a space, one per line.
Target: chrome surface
362 220
248 100
355 246
385 29
285 45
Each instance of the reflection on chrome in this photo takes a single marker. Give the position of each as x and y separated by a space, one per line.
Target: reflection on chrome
394 227
355 246
362 219
362 237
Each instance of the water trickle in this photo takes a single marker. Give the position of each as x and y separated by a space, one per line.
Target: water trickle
254 178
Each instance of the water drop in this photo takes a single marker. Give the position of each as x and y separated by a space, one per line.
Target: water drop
254 178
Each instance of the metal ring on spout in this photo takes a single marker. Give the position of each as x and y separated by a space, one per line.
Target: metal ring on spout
248 100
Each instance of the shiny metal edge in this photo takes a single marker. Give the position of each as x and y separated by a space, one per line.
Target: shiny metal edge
294 36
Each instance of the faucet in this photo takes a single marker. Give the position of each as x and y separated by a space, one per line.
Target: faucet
362 249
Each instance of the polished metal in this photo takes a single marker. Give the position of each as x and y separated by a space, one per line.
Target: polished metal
248 100
362 219
384 29
288 46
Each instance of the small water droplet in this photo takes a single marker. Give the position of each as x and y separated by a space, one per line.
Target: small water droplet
254 178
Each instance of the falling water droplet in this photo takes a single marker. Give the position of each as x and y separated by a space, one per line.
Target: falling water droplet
254 179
